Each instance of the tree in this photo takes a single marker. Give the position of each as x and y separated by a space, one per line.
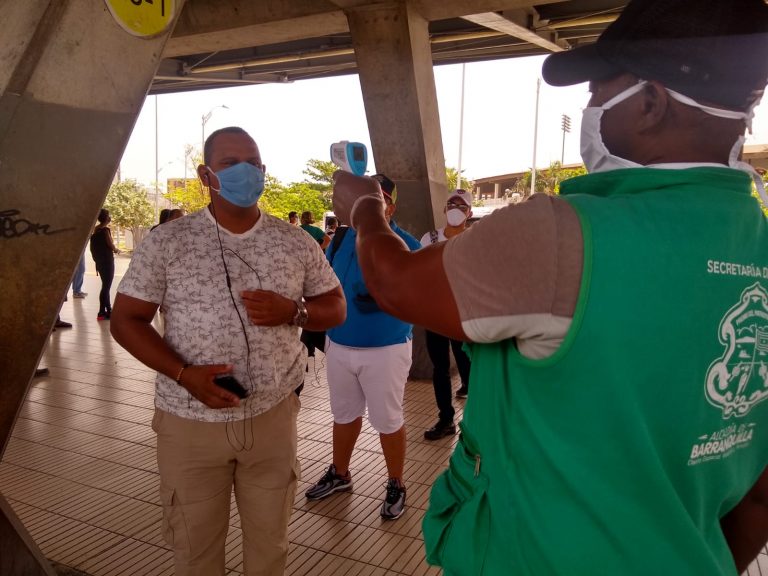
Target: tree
279 199
764 176
452 176
320 175
547 180
189 194
130 208
190 197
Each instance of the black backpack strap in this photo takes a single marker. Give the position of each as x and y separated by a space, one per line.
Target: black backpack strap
338 236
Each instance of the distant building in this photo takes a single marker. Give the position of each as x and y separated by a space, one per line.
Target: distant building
757 155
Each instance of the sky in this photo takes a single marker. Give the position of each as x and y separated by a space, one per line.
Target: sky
293 123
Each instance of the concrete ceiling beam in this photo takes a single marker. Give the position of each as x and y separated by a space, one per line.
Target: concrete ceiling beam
214 25
502 23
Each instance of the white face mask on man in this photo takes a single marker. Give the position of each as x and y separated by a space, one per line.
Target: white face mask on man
597 158
455 217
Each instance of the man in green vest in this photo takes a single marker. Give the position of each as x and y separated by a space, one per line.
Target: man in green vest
618 421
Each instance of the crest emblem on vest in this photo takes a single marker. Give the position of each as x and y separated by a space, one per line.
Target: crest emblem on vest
738 381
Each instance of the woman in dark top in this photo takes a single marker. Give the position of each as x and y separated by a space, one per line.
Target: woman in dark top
103 252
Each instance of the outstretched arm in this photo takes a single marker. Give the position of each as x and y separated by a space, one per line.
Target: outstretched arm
410 285
515 274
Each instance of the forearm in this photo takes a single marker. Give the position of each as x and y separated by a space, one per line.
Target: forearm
382 255
326 311
110 243
143 342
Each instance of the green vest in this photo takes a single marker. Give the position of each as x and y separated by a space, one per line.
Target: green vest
620 453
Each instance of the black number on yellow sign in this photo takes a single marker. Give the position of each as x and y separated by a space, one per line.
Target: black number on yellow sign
140 2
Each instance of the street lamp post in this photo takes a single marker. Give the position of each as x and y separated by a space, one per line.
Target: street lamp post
535 136
205 118
157 170
566 128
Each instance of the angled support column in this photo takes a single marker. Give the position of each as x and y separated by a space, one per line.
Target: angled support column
72 82
395 64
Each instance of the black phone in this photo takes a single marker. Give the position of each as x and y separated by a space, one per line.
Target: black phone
230 384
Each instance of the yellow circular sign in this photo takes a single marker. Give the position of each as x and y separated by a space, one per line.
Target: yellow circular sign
142 17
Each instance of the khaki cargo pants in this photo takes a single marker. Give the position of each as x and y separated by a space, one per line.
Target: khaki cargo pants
200 461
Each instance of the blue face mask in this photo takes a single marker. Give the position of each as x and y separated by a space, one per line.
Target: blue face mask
241 184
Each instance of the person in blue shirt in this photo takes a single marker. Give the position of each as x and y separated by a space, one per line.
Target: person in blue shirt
368 359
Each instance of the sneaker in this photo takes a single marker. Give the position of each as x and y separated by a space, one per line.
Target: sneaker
79 294
394 502
61 324
440 430
462 391
41 372
328 484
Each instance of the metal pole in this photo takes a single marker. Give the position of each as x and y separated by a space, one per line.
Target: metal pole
157 169
562 154
566 128
461 127
202 137
535 136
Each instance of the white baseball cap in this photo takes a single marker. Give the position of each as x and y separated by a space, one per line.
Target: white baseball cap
463 195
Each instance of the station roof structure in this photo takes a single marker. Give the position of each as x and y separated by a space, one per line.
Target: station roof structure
220 43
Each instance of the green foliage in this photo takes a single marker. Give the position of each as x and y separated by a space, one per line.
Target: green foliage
190 198
320 177
547 180
452 176
320 172
279 199
129 206
756 195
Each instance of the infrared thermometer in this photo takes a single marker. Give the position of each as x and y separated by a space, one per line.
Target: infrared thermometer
350 156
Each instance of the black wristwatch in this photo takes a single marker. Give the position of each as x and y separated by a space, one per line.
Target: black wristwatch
302 316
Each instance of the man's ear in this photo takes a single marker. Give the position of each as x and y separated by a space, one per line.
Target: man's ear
202 173
655 105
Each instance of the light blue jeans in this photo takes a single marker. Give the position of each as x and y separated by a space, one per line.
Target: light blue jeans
77 279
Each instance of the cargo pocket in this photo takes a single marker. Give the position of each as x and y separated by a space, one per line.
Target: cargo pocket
457 522
174 529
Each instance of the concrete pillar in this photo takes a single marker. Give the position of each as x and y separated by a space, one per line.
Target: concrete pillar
394 62
496 190
394 59
73 77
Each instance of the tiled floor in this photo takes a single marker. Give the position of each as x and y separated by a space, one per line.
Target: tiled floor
80 470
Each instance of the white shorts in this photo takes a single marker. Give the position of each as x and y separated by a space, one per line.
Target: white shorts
372 376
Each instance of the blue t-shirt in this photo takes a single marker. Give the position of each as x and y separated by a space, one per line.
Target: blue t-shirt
367 326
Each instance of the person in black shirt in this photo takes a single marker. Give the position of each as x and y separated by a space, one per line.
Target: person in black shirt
103 251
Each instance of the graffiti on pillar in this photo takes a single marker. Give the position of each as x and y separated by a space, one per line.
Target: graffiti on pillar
145 18
12 225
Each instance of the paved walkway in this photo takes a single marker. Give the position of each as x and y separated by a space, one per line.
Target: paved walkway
80 469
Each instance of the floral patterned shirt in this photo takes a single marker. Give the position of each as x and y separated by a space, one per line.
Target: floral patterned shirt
180 266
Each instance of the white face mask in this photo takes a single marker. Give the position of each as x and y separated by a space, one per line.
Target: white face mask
455 217
733 157
596 156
